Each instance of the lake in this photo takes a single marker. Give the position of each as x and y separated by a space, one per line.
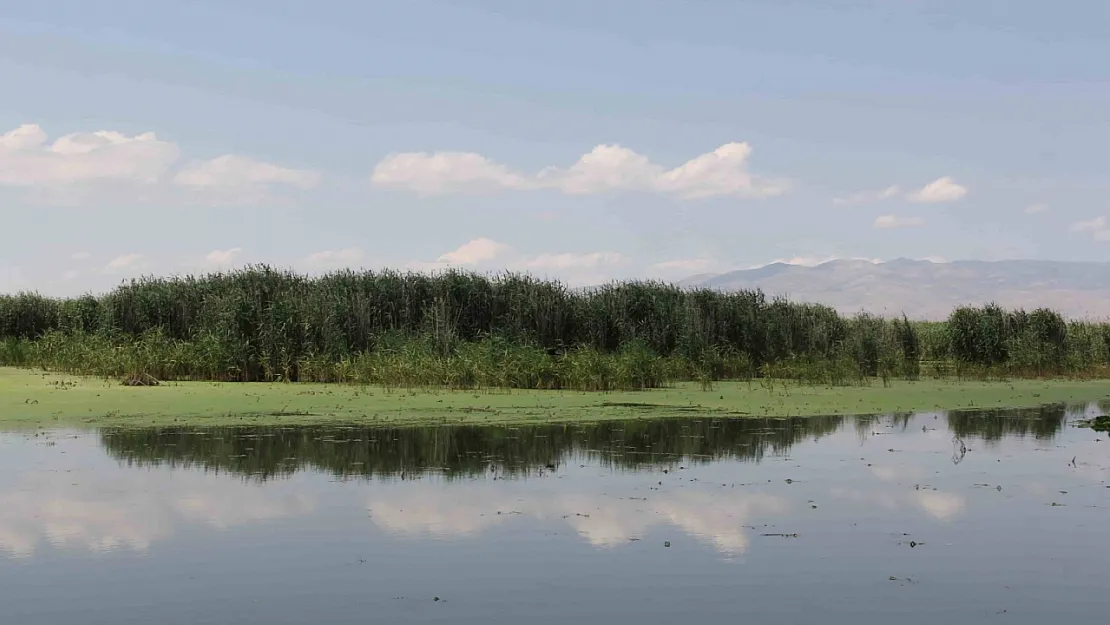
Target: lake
968 517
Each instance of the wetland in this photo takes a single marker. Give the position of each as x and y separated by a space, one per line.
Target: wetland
964 516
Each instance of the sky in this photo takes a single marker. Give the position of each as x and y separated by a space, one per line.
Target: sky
585 140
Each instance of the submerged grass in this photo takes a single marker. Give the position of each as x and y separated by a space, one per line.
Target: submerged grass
30 399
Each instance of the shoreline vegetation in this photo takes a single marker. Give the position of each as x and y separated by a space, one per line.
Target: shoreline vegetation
464 348
458 330
30 399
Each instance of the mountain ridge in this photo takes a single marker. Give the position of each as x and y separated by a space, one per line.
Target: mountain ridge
929 290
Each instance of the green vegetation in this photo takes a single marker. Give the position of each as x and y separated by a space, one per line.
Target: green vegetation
29 399
465 331
1100 423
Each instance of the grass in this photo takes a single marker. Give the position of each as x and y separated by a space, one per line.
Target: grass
32 399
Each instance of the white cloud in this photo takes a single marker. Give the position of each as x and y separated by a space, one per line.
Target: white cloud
863 197
943 189
122 262
895 221
687 265
1093 225
334 259
1098 227
559 262
233 178
606 168
122 168
721 173
1035 208
27 160
474 252
484 253
444 172
222 257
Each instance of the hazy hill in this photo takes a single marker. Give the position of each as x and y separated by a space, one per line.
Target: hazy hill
927 290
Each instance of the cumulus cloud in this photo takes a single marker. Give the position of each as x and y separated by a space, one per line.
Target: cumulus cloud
864 197
1098 227
28 160
895 221
474 252
123 262
564 261
484 251
238 178
686 265
222 257
1035 208
607 168
334 259
1093 225
117 167
445 172
941 190
486 254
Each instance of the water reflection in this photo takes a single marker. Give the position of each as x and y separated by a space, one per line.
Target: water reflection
862 520
468 451
991 426
75 502
460 451
721 519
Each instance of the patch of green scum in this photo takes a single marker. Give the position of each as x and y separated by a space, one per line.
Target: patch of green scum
1098 424
31 399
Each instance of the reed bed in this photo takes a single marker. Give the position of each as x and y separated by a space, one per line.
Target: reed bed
464 330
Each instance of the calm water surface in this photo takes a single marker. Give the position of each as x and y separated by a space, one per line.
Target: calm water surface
965 518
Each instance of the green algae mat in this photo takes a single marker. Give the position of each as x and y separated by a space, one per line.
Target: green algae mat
30 399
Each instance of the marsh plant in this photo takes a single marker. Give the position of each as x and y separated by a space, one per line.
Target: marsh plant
463 330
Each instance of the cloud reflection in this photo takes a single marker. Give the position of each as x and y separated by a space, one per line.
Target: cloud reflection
603 521
128 510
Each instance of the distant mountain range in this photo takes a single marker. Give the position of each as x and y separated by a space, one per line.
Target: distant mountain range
927 290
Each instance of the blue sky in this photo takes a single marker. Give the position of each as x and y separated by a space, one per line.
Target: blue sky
586 140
